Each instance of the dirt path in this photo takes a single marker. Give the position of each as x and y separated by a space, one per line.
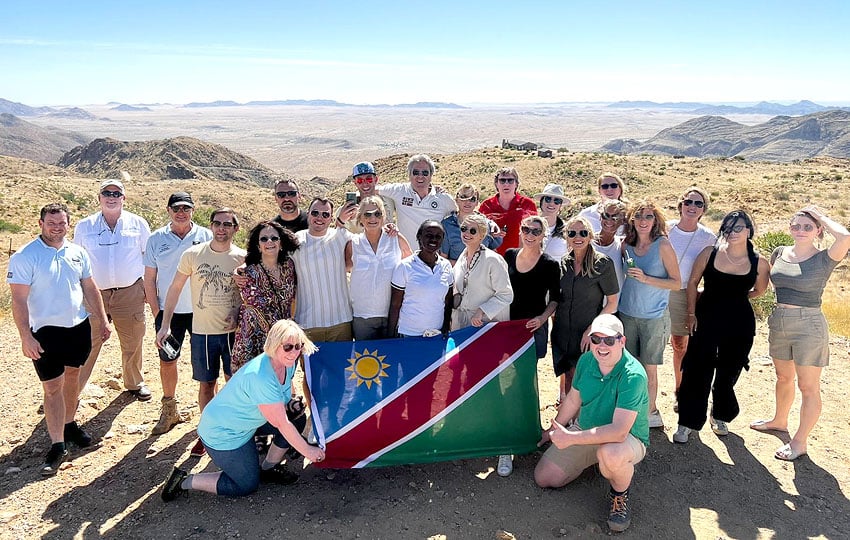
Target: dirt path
711 488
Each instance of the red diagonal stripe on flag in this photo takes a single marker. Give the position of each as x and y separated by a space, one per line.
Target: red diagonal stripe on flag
428 397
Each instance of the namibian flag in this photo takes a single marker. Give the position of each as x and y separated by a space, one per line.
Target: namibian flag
420 400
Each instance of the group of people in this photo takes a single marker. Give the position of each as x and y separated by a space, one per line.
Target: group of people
613 282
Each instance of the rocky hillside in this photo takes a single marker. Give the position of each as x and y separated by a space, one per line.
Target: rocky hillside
782 138
19 138
180 158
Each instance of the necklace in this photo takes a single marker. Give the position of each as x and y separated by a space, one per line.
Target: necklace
733 261
685 251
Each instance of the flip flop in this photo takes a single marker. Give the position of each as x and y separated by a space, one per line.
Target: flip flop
786 453
761 425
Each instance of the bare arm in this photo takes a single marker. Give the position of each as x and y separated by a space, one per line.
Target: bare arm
838 250
567 410
615 432
447 311
349 260
21 314
693 283
149 280
95 302
396 299
673 281
170 304
275 413
405 246
762 279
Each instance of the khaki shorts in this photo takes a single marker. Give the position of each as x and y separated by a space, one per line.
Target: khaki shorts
678 311
799 334
337 332
574 459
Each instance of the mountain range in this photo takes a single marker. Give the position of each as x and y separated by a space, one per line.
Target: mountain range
322 103
19 138
764 107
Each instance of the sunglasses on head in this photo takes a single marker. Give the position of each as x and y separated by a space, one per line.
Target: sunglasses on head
583 233
290 193
287 347
507 180
373 213
691 202
365 179
808 227
316 213
115 194
225 224
472 198
613 185
550 199
416 172
265 239
607 340
471 230
531 230
181 209
609 217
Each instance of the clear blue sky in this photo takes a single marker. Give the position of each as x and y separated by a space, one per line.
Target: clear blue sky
463 51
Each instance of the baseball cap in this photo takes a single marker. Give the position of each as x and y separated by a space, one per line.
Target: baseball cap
112 182
364 167
607 325
181 198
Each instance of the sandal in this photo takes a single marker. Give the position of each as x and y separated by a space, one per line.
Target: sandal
761 425
786 453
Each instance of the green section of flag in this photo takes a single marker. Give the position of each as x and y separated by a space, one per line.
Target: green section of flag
502 417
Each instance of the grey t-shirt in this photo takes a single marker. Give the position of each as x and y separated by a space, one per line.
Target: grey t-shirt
800 284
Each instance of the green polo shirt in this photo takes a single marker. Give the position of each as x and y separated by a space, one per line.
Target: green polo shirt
624 388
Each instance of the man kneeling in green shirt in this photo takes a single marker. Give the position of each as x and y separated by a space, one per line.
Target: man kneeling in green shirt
610 396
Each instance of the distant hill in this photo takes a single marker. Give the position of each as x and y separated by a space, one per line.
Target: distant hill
686 105
323 103
782 138
75 113
19 109
19 138
195 105
168 159
129 108
796 109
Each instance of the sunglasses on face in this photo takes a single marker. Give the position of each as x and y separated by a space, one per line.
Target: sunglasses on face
504 181
416 172
287 347
265 239
373 213
366 179
471 230
290 193
808 227
471 198
691 202
736 228
583 233
531 230
607 340
614 185
647 217
609 217
316 213
181 209
556 200
114 194
225 224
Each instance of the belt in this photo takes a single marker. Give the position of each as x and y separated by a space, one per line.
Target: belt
113 289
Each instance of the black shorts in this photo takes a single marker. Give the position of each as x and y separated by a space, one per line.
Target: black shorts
181 324
62 347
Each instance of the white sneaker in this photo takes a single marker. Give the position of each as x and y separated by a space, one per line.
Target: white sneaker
506 465
719 427
681 435
655 420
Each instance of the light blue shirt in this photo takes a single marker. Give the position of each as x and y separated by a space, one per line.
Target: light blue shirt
641 300
163 252
53 275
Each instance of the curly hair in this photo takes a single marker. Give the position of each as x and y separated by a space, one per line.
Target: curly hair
288 242
659 226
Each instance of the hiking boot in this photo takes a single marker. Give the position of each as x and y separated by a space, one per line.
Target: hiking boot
719 427
506 465
168 418
681 435
75 434
172 487
55 456
198 449
620 515
655 420
278 474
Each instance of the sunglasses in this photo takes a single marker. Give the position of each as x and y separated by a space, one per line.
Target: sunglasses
287 347
471 230
291 193
615 185
808 227
531 230
583 233
416 172
181 209
225 224
504 181
738 228
691 202
365 179
265 239
113 194
609 217
472 198
549 199
647 217
607 340
316 213
373 213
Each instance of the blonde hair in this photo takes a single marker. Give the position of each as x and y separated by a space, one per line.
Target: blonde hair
479 221
591 257
540 221
285 330
619 180
371 199
466 187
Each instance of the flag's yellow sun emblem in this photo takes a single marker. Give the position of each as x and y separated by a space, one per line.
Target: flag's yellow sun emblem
367 367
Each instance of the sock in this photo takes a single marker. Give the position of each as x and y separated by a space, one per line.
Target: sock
266 464
618 493
59 446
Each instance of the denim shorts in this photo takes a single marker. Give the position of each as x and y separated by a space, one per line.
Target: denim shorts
211 354
799 334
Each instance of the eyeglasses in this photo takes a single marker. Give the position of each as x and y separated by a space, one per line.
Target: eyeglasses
287 347
549 199
106 240
609 217
504 181
471 198
290 193
265 239
114 194
316 213
614 185
607 340
365 179
373 213
808 227
739 228
471 230
647 217
691 202
225 224
416 172
181 209
583 233
531 230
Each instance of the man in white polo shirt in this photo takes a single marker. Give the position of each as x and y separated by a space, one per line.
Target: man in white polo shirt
115 240
162 255
51 285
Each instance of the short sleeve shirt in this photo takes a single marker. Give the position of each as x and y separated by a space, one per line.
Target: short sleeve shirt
215 296
425 291
294 225
116 254
163 253
413 210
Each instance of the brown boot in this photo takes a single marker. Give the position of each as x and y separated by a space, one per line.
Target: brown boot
169 417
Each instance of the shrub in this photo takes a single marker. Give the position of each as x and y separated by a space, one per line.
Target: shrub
765 244
6 226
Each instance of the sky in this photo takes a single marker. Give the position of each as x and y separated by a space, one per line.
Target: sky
462 51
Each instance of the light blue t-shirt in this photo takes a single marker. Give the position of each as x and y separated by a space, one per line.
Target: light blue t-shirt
163 252
641 300
53 275
233 415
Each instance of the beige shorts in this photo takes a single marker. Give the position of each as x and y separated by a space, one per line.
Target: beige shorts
678 310
799 334
574 459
